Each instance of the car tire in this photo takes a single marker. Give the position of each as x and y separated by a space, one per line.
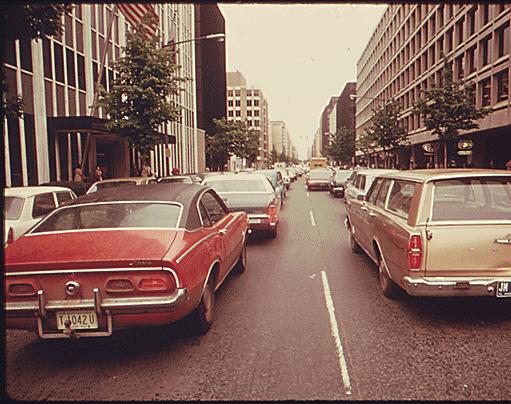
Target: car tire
273 232
241 264
355 247
202 317
389 288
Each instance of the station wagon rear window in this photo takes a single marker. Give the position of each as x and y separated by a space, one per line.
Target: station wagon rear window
112 216
472 199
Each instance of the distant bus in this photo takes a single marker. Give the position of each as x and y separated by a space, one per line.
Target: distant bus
317 162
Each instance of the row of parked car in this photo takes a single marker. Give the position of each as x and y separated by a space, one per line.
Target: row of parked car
131 252
433 232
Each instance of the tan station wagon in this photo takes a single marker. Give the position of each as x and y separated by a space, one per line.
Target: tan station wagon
437 232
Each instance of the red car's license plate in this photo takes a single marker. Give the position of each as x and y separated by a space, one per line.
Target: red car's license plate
79 320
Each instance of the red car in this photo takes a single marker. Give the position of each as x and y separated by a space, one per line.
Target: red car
124 257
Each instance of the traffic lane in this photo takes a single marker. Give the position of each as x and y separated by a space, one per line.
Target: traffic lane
270 340
414 348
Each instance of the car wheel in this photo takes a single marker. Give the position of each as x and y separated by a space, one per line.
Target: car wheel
388 287
273 232
203 316
355 247
241 265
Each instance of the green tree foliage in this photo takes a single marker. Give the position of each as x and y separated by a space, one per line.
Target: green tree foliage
387 129
229 138
247 146
141 98
27 21
448 108
342 146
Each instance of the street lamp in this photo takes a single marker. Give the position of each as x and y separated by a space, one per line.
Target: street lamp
220 37
354 97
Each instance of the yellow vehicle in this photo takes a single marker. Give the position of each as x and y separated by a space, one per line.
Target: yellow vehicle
317 162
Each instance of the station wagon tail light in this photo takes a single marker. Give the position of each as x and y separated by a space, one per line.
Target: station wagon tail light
21 290
119 285
414 252
157 284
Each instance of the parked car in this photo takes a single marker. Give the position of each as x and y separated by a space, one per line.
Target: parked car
359 184
181 243
253 194
293 174
319 178
26 206
277 181
338 182
187 179
437 232
120 182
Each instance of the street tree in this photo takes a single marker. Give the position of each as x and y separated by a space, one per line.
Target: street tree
27 21
449 108
274 156
342 146
387 128
247 146
142 97
225 141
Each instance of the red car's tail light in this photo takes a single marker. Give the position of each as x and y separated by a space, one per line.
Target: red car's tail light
272 212
155 284
119 285
414 252
21 289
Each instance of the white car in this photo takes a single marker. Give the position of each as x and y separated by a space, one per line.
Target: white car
26 206
119 182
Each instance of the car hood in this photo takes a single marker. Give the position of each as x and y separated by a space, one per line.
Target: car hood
248 202
88 249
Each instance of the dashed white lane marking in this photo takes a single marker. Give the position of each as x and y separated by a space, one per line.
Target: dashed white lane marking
313 222
307 194
335 332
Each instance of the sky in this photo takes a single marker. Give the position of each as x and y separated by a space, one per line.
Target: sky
300 55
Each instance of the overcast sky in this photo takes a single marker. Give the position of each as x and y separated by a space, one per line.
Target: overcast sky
300 55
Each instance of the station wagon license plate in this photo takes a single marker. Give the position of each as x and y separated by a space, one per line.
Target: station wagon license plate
255 221
80 320
504 289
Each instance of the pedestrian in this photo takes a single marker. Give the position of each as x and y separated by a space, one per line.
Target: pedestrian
175 171
508 165
144 172
78 174
98 174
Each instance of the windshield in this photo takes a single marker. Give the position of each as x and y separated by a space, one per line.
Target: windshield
251 186
342 175
111 216
319 175
13 207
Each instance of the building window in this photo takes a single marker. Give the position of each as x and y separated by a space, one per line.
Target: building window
502 35
59 62
230 103
249 93
249 103
459 31
449 41
230 113
485 14
256 112
484 44
238 113
25 54
502 79
485 92
237 93
47 58
229 93
249 112
256 93
238 103
460 68
71 79
81 72
471 60
471 22
256 103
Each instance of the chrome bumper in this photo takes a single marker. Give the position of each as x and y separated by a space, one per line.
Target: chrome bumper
451 286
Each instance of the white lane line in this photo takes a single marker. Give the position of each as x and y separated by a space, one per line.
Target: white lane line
313 222
335 332
307 194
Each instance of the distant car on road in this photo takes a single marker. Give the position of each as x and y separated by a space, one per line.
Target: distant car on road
253 194
26 206
119 182
319 178
338 182
437 232
120 258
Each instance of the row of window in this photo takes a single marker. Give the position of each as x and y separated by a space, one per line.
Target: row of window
237 93
237 103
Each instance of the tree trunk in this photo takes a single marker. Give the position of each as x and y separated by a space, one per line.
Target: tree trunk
445 153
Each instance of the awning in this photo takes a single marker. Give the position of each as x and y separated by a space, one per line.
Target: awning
92 125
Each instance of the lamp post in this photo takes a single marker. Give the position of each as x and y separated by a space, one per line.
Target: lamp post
220 37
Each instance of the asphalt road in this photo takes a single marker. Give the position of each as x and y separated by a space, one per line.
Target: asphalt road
305 321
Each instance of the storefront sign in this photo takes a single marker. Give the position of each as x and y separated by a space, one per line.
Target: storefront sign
464 152
465 144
